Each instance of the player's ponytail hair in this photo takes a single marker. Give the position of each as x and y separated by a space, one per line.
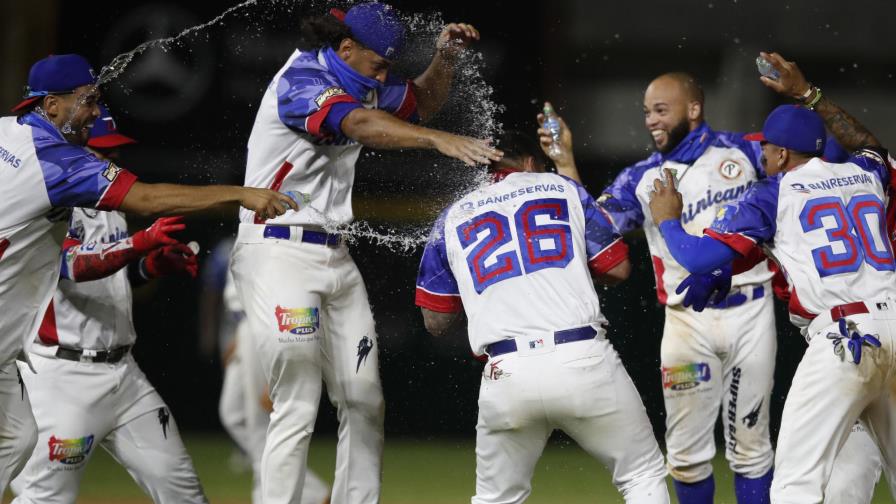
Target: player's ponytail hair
322 31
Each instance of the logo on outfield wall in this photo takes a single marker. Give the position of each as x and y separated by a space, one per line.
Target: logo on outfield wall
70 451
685 377
297 320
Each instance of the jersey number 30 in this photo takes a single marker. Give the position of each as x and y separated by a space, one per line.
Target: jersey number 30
858 228
546 245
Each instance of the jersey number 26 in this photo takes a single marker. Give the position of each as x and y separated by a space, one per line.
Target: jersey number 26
546 245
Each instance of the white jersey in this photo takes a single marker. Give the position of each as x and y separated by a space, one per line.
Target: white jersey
293 145
713 168
40 171
825 224
523 248
96 314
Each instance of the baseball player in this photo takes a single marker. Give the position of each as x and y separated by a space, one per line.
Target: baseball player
720 359
824 223
244 408
44 168
857 466
535 235
304 298
86 389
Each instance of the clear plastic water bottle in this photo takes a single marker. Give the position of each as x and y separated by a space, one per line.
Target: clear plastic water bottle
552 124
766 68
301 199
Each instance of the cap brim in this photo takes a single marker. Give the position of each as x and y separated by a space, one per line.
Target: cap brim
755 137
25 103
110 141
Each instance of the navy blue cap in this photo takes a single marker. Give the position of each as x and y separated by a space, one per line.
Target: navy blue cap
378 27
104 133
55 74
795 128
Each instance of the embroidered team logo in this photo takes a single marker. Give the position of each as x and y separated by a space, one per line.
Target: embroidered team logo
70 451
685 377
111 172
328 93
297 320
730 169
365 345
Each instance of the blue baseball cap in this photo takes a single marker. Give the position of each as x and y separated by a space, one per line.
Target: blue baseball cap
56 74
377 26
795 128
104 133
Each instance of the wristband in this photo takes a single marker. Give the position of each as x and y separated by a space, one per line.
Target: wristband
811 105
805 96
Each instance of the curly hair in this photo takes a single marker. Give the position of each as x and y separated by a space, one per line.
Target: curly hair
322 31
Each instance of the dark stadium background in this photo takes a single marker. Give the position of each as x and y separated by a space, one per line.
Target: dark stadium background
592 59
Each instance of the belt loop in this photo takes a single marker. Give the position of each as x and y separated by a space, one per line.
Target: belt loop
296 233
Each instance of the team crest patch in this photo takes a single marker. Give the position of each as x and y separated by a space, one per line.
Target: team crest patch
70 451
111 172
328 93
685 377
730 169
297 320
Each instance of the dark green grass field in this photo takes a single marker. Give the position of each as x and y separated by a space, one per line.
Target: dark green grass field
415 471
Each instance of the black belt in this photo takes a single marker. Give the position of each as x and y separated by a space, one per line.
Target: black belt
567 336
308 235
82 355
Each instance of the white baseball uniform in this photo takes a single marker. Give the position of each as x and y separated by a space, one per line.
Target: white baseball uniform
824 224
724 356
305 300
240 408
88 390
40 170
516 257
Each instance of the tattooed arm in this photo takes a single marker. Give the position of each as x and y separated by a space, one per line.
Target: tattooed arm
847 130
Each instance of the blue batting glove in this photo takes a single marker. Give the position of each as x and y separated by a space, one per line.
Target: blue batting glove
706 288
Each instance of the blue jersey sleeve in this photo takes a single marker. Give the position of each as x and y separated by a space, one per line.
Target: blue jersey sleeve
874 161
436 285
600 233
620 201
751 220
307 99
76 178
397 97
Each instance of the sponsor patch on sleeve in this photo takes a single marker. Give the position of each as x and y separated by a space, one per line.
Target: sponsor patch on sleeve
327 94
111 172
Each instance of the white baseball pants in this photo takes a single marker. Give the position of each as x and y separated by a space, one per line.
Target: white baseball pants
311 321
18 431
580 388
856 469
247 421
718 359
828 394
81 405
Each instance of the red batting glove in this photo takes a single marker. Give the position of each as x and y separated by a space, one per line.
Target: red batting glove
157 235
176 259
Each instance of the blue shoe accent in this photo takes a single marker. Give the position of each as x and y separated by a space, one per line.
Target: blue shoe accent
700 492
753 490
